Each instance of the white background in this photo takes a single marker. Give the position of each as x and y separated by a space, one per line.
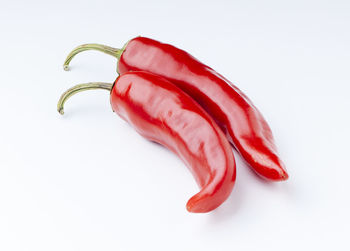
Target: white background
88 181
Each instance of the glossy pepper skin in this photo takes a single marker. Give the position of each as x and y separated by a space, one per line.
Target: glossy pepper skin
241 121
161 112
243 124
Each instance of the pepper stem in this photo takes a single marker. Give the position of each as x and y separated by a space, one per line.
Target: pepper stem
79 88
85 47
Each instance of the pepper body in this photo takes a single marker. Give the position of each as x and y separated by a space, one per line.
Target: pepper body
241 121
161 112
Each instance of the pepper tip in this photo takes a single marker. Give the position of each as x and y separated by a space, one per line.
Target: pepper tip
66 67
285 176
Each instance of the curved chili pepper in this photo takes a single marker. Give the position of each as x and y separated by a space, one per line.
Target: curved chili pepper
243 124
161 112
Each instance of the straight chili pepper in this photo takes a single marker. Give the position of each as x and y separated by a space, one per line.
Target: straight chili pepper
161 112
243 124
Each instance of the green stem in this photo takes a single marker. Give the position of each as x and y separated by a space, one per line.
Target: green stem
99 47
79 88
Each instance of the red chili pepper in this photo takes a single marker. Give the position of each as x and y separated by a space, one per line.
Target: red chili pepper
161 112
243 124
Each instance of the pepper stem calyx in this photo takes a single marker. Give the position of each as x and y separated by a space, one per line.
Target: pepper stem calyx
115 52
79 88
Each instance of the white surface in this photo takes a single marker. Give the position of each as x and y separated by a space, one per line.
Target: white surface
87 181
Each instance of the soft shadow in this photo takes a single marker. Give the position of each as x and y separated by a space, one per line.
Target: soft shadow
83 111
232 205
245 175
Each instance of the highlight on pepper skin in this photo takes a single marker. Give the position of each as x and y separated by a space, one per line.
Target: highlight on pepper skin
161 112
